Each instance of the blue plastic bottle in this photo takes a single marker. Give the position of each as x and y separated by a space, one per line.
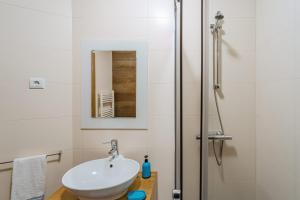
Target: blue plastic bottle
146 168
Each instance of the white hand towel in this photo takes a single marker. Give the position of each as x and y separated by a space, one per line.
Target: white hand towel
29 178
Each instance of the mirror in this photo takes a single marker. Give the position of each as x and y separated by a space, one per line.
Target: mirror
113 84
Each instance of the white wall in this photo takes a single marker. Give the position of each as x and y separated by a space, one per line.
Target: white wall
264 101
260 108
278 99
103 71
131 20
191 97
235 180
35 42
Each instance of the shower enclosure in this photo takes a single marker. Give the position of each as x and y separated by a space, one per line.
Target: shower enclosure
237 100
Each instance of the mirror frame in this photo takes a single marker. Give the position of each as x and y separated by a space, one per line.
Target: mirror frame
141 119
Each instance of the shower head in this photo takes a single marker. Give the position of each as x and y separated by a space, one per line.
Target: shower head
219 16
217 26
219 20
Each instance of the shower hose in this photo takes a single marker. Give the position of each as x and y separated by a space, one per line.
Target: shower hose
218 157
216 38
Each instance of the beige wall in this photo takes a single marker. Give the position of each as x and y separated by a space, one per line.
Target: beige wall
191 56
235 180
103 71
131 20
277 99
35 42
259 108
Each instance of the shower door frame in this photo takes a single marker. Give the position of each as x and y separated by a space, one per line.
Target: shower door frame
178 99
203 188
203 135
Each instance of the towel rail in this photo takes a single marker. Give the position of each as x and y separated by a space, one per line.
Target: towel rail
48 155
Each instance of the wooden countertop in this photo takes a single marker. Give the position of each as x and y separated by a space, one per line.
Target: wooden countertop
148 185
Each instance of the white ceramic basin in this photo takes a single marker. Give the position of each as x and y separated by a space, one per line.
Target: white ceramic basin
101 179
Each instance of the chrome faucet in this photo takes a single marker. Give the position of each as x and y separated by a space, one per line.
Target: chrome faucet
114 151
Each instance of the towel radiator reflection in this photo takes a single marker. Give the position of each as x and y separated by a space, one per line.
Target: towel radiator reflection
106 102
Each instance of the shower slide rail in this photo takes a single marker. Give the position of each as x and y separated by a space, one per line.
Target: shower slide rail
217 32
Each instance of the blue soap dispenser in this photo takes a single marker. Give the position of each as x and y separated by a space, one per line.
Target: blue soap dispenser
146 168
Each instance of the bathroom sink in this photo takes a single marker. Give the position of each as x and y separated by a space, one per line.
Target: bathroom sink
101 179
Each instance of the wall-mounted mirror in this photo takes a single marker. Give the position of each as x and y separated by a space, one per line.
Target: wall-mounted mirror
114 85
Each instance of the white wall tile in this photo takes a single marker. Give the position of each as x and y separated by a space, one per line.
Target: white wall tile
5 179
29 28
191 99
95 9
162 130
277 100
41 61
191 70
239 67
235 180
229 191
161 8
116 29
239 34
191 53
192 33
235 8
296 39
19 102
51 7
161 99
161 34
95 139
161 67
35 135
129 20
36 42
191 157
56 170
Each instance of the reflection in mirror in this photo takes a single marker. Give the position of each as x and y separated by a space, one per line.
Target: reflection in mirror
113 84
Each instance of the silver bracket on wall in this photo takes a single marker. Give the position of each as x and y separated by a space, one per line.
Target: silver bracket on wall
176 194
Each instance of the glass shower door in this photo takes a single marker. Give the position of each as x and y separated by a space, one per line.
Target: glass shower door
194 150
240 81
231 100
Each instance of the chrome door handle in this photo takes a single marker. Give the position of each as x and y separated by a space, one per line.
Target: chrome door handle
219 137
216 137
198 137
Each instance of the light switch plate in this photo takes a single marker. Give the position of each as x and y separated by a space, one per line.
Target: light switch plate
37 83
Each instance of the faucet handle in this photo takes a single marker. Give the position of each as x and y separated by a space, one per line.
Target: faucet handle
113 142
